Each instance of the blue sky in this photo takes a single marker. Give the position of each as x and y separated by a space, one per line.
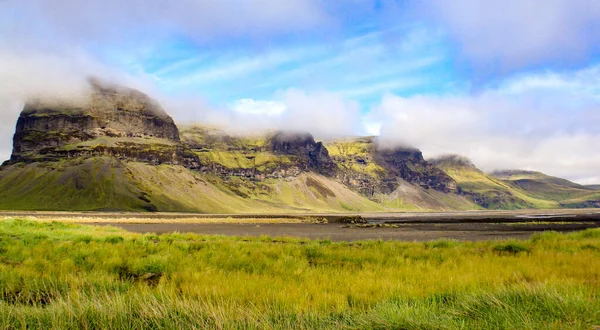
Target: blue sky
361 65
510 84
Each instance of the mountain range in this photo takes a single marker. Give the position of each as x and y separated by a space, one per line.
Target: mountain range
118 150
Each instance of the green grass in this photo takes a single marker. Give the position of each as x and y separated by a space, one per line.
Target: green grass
66 276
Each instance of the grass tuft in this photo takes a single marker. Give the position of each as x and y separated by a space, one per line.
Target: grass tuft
511 248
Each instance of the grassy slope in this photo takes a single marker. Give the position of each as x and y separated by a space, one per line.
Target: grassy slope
412 197
92 184
104 183
535 176
214 146
549 187
511 196
64 276
307 192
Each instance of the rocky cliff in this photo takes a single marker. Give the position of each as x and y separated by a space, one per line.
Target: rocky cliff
110 120
265 155
311 155
373 170
409 165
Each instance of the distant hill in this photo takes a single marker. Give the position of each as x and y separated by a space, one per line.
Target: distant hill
487 190
593 186
520 175
515 188
538 184
117 149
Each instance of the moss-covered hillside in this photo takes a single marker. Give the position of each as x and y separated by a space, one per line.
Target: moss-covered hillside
515 189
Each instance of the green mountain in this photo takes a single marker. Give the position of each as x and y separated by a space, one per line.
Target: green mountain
117 149
565 192
515 189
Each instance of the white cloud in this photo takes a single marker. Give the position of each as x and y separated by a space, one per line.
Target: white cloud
323 114
82 20
522 124
512 34
24 76
267 108
9 112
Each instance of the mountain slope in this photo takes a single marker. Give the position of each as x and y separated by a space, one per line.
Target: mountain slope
244 163
106 183
552 188
487 190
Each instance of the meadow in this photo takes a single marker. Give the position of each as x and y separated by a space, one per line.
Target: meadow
72 276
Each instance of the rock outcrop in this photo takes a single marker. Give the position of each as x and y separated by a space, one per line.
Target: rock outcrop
257 157
371 169
311 155
408 163
111 120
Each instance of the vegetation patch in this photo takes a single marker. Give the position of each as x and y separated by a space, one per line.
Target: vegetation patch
77 276
511 248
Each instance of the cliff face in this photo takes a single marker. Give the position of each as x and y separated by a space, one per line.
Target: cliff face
259 157
311 155
111 120
372 170
409 165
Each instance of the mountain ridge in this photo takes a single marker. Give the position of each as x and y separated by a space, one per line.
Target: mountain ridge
118 149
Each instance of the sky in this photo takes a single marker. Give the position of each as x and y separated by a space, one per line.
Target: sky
511 84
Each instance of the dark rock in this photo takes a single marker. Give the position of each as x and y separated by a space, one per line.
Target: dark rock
312 155
133 126
408 163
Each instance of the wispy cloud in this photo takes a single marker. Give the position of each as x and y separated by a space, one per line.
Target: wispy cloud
362 65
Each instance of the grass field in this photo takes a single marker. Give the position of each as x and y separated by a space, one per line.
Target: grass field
70 276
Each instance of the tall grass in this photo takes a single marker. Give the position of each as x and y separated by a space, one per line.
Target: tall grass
66 276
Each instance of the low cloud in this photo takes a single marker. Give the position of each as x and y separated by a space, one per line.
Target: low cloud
520 125
253 107
48 48
323 114
27 76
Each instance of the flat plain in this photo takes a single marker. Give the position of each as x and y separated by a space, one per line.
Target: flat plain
406 226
